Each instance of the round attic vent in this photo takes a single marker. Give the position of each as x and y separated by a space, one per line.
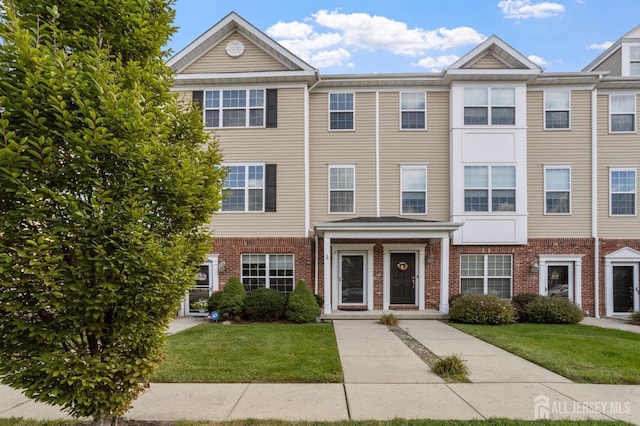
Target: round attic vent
235 48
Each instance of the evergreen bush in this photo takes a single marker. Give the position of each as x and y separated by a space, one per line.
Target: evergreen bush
481 309
265 304
214 299
520 302
554 310
302 305
231 302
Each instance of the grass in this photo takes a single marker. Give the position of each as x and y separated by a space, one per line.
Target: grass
582 353
394 422
252 353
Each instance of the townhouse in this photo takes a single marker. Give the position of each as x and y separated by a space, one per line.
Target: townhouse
397 191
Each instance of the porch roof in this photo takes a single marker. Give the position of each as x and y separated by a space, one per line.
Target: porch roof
385 227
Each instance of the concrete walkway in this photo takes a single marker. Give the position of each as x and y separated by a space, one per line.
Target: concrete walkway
383 379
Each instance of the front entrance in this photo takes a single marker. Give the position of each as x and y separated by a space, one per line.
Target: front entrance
559 281
352 278
625 293
403 278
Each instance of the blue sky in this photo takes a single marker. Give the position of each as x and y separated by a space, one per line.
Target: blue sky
395 36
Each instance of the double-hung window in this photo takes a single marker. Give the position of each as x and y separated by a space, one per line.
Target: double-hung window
622 110
489 188
486 274
413 110
623 192
557 109
634 60
244 188
341 111
557 190
234 108
495 106
342 188
273 271
413 188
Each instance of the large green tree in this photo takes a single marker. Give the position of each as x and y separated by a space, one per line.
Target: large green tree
105 184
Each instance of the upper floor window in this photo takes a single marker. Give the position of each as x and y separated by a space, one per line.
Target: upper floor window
489 188
234 108
341 111
413 110
273 271
623 192
483 105
244 187
342 189
413 188
634 60
622 109
557 109
486 274
557 190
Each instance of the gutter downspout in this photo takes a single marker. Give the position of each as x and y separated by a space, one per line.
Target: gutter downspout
377 153
594 201
307 202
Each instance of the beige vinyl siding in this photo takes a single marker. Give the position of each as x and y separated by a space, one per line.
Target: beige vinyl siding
615 150
613 64
415 147
217 60
489 61
283 146
559 147
339 147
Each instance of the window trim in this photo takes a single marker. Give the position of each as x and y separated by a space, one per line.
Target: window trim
485 273
426 188
329 190
490 188
545 110
489 106
545 191
635 192
247 107
267 277
635 116
352 111
246 188
401 111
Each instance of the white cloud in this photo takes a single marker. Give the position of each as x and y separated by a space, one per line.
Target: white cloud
537 60
601 46
524 9
305 48
290 30
328 58
437 64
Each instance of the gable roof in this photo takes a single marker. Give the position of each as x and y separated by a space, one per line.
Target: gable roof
631 36
222 30
509 62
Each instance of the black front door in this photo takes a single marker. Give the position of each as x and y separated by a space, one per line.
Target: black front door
622 289
403 278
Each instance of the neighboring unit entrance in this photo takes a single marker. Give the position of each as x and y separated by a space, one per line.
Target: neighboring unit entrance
403 278
625 293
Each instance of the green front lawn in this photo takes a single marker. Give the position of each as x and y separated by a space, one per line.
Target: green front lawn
252 353
582 353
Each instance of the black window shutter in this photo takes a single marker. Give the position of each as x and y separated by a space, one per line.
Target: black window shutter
270 188
272 108
198 98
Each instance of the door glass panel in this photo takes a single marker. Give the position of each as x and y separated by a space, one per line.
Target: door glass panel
622 288
558 281
352 274
201 289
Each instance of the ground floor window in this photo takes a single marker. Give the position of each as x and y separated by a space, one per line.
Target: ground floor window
486 274
268 270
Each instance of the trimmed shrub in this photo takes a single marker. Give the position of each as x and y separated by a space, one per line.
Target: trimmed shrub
319 300
553 310
212 302
635 318
451 368
481 309
388 319
454 298
302 305
265 304
520 302
231 303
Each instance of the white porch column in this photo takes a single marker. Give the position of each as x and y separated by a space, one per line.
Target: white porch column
577 283
327 274
444 275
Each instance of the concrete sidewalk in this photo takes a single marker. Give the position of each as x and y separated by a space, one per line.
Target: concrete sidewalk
383 379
